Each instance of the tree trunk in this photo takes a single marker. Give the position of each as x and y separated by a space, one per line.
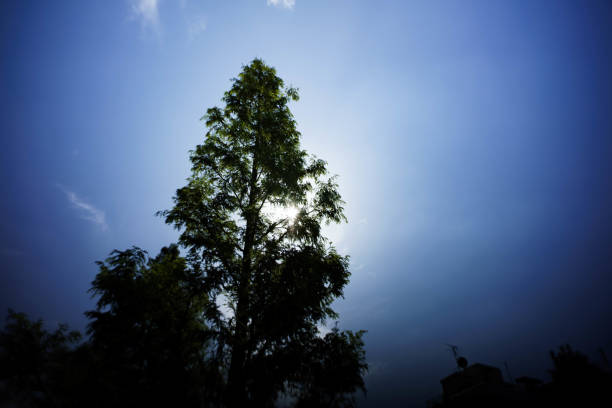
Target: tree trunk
237 396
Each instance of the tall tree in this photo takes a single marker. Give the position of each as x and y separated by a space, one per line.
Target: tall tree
278 276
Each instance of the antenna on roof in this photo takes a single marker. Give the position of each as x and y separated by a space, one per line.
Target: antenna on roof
454 349
461 361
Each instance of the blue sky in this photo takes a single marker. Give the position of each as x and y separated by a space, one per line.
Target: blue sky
473 144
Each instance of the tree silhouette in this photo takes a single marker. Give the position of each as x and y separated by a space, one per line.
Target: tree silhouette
278 276
148 336
576 380
36 365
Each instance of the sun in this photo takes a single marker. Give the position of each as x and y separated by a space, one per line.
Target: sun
278 213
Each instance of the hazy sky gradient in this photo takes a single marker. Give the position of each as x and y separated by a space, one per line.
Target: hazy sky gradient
472 139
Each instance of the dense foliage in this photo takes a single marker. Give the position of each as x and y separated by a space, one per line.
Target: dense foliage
148 333
277 275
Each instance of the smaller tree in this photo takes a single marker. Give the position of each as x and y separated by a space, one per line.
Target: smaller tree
35 364
148 332
332 373
576 381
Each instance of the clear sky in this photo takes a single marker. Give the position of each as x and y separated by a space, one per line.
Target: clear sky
472 139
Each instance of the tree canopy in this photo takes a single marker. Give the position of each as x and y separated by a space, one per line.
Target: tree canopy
278 276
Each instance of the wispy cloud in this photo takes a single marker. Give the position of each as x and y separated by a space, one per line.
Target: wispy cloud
147 12
282 3
86 211
196 26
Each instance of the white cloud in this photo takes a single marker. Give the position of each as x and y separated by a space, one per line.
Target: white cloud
282 3
146 11
197 25
87 211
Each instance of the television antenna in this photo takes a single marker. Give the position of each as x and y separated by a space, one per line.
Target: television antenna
461 361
